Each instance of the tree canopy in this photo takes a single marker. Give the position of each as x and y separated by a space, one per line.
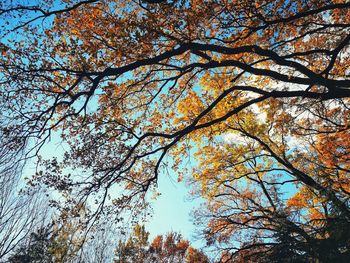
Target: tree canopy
170 248
256 91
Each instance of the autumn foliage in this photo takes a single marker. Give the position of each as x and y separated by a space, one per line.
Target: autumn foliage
170 248
257 92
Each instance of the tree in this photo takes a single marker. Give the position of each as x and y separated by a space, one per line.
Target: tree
134 249
246 183
196 256
127 83
170 248
36 249
59 241
20 210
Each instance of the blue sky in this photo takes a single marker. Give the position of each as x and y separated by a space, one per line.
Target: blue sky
173 209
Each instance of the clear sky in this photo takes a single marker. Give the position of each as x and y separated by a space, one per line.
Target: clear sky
173 209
